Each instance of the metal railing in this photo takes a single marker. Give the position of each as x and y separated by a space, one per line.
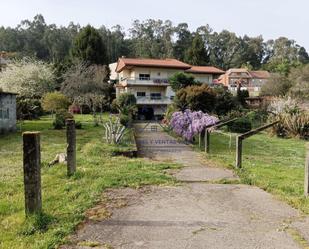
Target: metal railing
146 80
148 99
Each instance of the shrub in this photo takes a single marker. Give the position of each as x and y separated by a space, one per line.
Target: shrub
60 117
241 96
126 105
196 98
188 123
28 109
240 125
225 101
125 120
293 121
55 101
78 125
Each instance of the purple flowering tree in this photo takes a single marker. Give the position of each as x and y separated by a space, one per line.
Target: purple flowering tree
188 123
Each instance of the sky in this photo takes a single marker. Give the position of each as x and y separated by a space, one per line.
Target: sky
269 18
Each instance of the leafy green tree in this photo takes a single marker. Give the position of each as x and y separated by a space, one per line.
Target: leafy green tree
299 78
181 80
152 38
277 85
125 103
196 98
88 47
183 42
55 101
197 53
225 101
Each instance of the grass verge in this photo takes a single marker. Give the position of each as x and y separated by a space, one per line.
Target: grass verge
65 200
273 164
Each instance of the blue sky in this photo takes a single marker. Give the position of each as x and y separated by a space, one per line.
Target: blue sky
270 18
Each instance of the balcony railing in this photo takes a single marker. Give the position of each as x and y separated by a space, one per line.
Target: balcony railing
146 81
159 100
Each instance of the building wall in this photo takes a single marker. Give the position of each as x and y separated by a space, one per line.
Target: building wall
7 112
204 78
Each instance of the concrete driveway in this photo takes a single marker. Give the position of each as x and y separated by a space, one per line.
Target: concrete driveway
195 214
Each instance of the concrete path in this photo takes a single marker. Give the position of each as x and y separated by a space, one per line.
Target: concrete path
195 214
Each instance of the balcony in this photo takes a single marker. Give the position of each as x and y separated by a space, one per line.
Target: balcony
153 100
146 81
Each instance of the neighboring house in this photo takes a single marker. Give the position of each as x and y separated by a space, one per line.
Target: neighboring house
249 80
147 79
205 74
7 112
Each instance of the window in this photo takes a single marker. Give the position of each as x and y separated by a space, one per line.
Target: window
172 97
4 114
143 76
155 95
140 94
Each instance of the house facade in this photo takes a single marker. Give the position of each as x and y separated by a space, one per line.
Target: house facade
147 79
7 112
248 80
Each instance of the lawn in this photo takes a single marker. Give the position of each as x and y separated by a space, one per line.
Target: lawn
64 199
274 164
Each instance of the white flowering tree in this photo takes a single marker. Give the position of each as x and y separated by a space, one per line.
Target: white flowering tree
28 77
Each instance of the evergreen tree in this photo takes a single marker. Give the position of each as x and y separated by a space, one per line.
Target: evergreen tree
88 47
197 53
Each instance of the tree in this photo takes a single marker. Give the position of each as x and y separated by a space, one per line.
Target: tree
152 38
196 98
181 80
197 53
126 105
88 47
88 86
277 85
28 77
183 42
299 78
55 101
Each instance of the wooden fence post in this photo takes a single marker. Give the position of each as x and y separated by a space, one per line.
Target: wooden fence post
207 140
71 147
238 151
32 172
307 172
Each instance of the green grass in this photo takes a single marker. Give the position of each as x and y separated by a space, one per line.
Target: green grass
274 164
64 199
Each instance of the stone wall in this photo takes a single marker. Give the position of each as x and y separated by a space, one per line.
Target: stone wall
7 112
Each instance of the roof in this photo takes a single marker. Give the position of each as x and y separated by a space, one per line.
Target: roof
260 74
205 69
7 93
161 63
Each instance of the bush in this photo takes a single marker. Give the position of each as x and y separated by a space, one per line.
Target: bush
225 101
55 101
240 125
60 117
28 109
78 125
196 98
241 96
293 121
125 120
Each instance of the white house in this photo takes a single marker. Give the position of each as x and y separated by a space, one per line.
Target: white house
147 79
